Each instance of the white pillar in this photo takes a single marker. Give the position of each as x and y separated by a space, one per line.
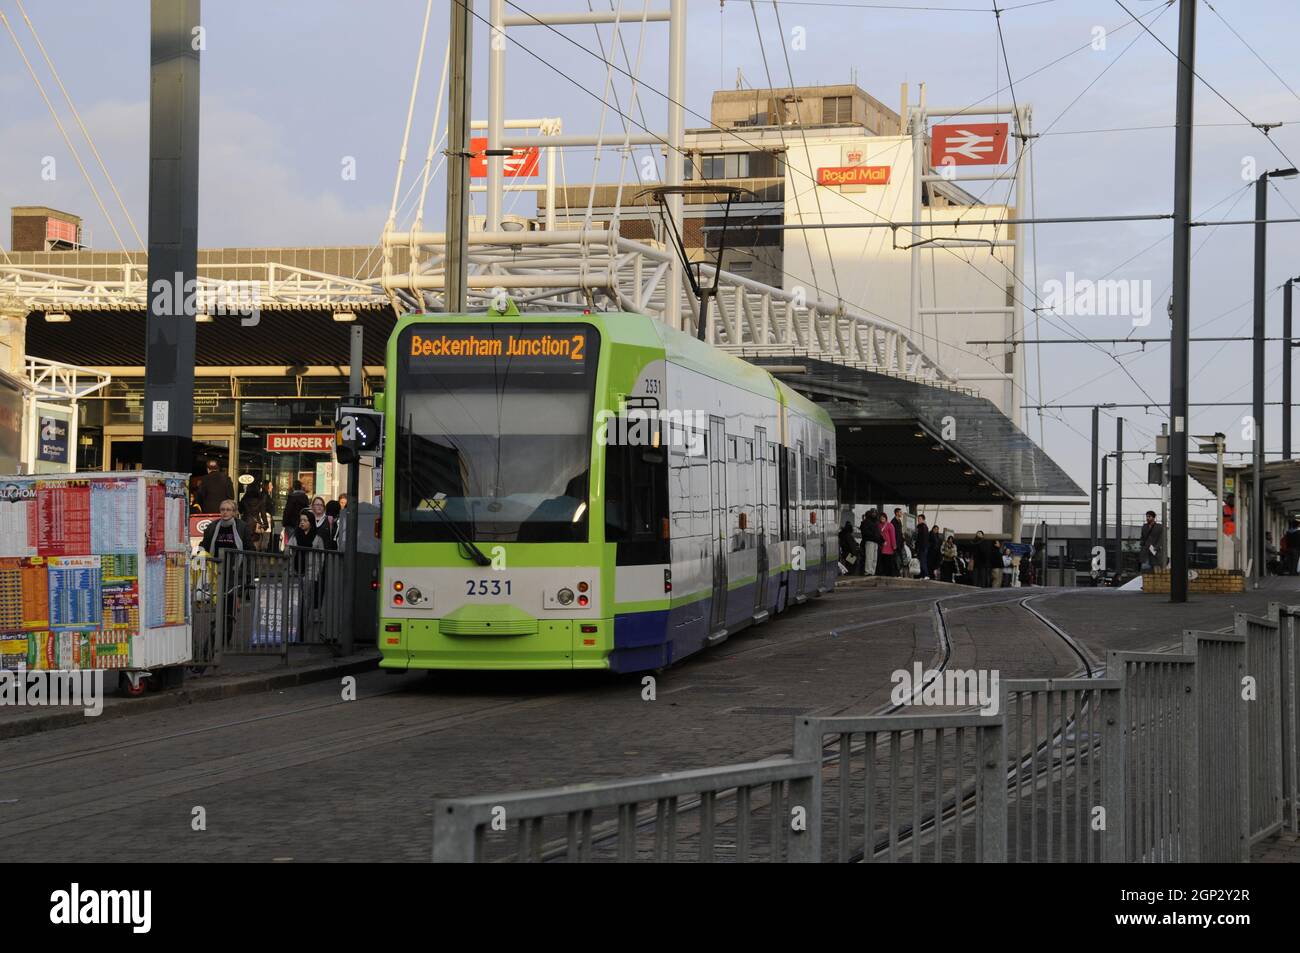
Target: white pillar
496 113
673 316
1016 317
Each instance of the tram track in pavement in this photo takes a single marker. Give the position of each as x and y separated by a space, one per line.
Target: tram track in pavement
940 661
950 810
78 805
83 803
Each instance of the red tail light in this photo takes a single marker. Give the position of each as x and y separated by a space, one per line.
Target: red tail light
378 534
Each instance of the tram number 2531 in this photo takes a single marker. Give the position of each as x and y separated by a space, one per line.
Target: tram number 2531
487 587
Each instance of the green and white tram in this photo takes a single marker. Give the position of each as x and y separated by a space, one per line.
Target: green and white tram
590 491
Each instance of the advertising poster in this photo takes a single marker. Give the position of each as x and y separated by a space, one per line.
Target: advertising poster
13 652
24 594
155 591
114 515
52 443
177 528
63 518
57 650
76 599
155 524
17 518
121 605
176 604
108 650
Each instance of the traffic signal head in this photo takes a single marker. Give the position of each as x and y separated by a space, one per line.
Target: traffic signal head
357 431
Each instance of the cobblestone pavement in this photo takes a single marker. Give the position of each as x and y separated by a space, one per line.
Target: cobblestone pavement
301 775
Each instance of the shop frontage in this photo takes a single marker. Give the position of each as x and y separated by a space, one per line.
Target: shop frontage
258 429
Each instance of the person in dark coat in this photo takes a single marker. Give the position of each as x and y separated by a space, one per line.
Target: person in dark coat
228 532
295 504
849 554
923 546
214 488
255 510
871 540
985 553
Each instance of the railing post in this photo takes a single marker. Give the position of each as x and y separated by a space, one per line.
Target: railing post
1286 639
1114 748
219 603
991 795
805 846
1190 769
454 834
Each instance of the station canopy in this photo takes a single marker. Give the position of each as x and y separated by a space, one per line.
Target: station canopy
1280 480
916 443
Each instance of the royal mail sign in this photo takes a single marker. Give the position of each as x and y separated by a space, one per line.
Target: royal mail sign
853 175
300 442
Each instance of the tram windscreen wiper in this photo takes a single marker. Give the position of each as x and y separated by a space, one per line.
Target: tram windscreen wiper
467 545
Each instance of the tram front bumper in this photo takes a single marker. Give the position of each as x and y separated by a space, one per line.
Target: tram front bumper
407 645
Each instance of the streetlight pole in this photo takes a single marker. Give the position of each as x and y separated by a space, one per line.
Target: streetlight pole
1257 514
1286 368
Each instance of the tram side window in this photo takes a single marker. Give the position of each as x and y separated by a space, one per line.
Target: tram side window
636 503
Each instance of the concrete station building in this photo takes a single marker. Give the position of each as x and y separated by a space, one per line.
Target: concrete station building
837 155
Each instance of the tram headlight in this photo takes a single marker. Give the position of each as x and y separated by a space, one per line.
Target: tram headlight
564 597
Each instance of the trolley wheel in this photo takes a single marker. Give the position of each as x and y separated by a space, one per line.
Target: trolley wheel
132 686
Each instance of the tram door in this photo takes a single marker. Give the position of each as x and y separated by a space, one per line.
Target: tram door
760 513
718 478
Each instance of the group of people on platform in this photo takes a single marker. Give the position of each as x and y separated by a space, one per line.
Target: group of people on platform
885 549
306 522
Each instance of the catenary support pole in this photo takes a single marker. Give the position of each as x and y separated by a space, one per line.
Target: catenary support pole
1181 305
173 235
458 120
1119 495
1092 497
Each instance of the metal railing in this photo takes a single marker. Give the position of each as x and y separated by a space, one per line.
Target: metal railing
1167 758
1066 777
1264 667
1159 716
929 787
258 603
686 815
1223 741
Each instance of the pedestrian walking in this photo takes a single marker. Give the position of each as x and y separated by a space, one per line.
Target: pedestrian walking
1151 543
1007 574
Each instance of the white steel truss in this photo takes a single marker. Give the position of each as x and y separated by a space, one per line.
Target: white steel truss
277 286
602 270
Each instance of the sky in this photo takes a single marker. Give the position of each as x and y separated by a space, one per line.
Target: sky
296 94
